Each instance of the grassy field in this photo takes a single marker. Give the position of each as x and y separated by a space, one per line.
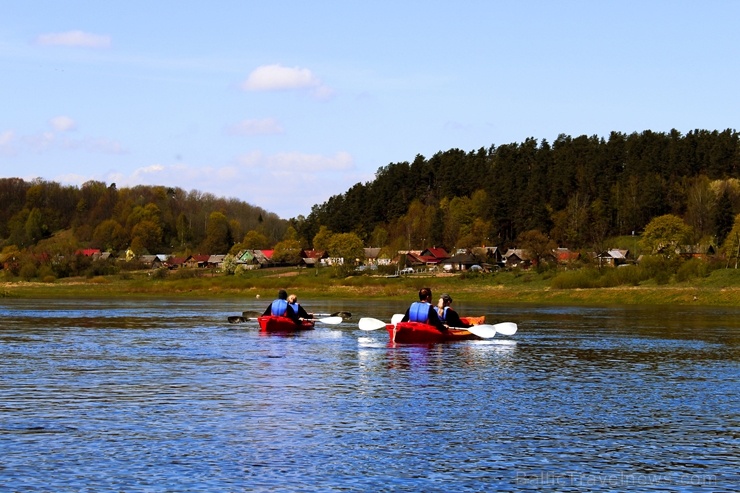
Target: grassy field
720 288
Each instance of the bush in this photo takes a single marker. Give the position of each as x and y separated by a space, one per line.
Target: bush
621 276
574 279
343 270
28 271
655 266
693 268
185 273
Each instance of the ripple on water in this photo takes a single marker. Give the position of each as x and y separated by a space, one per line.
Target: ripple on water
161 397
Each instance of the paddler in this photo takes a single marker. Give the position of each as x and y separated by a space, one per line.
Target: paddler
447 314
281 308
424 312
302 313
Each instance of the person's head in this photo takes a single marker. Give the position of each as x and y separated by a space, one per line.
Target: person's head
292 298
446 299
425 294
282 294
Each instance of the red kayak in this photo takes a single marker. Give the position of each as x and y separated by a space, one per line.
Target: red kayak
270 323
418 333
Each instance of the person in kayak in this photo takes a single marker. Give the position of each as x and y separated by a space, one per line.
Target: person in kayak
424 312
447 314
302 313
281 308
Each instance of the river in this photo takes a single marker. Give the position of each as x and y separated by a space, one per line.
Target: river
167 396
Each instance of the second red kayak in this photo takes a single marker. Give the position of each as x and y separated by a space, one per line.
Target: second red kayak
418 333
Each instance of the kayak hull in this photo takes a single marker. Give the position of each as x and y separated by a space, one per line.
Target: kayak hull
269 323
417 333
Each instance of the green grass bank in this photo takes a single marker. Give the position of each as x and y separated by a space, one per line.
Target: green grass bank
720 288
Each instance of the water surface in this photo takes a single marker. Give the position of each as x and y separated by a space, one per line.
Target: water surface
168 396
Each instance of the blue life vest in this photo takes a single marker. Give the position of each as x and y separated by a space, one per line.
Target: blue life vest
295 307
279 308
419 312
443 317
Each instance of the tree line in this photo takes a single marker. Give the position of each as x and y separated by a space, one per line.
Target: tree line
578 191
145 219
574 192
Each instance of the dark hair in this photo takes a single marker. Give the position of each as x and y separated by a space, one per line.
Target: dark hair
425 294
282 294
446 298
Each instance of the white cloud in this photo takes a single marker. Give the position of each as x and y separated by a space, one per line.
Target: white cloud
266 126
74 38
63 123
57 139
278 78
287 184
297 163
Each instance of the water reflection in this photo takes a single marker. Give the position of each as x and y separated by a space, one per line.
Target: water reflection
167 396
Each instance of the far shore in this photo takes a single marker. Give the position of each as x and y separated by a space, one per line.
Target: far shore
499 289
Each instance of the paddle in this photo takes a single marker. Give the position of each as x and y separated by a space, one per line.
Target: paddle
486 331
367 323
344 315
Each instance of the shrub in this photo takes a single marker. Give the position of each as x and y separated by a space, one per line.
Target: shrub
574 279
692 269
28 271
621 276
185 273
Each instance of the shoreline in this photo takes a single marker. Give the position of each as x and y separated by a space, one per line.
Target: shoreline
536 292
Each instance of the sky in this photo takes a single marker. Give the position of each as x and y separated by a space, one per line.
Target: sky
285 104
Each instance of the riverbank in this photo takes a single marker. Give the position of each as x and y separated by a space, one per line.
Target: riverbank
722 288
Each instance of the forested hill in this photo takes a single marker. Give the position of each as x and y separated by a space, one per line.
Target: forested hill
578 191
144 218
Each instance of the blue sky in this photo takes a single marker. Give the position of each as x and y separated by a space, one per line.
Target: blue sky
284 104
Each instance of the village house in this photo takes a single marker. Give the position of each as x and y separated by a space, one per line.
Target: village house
517 258
612 258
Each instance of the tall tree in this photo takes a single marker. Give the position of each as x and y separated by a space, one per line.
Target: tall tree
664 234
218 235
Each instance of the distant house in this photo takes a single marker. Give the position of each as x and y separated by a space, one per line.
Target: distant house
565 256
371 255
313 257
612 258
89 252
215 261
517 258
197 261
175 262
492 255
697 251
460 261
410 258
151 261
433 256
263 257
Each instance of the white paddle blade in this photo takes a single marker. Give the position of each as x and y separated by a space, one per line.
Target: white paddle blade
396 318
506 328
367 323
483 331
330 320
